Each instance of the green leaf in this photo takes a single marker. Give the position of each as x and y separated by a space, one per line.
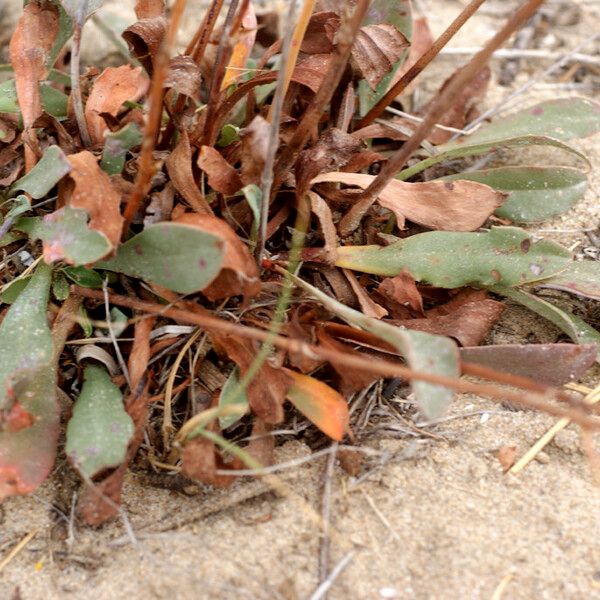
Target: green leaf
20 206
536 193
179 257
100 428
66 236
393 12
84 277
117 145
13 290
229 134
506 256
51 168
27 384
85 322
253 195
54 102
423 351
563 119
575 327
476 149
60 286
582 278
232 396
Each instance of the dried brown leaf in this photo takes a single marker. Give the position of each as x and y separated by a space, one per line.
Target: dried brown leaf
222 177
184 77
147 9
255 145
402 292
320 33
321 209
179 167
368 306
444 205
376 50
110 90
506 455
144 39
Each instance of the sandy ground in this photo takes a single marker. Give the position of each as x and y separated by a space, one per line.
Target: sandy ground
432 517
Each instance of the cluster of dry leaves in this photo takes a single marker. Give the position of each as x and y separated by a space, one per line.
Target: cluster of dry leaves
265 167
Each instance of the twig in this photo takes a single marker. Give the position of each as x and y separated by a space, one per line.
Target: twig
515 53
529 84
146 161
438 108
78 24
421 63
111 333
11 555
223 53
384 368
326 515
593 397
324 587
275 113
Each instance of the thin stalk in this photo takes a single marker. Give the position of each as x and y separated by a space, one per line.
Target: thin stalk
384 368
79 22
276 111
438 108
421 63
146 168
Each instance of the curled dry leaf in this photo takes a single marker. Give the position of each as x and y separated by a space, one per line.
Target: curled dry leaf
184 77
144 39
320 404
376 50
458 207
368 306
29 48
94 192
222 177
113 87
239 273
320 33
179 167
267 391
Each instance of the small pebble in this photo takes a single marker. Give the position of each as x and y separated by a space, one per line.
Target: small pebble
388 592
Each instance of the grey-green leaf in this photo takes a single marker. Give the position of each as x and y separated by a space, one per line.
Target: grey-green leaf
100 428
176 256
582 278
54 102
575 327
66 236
506 256
536 193
233 396
117 145
563 119
424 352
51 168
471 148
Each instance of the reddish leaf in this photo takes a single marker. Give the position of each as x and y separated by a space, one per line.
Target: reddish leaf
507 455
320 404
376 50
222 177
550 364
320 33
179 167
94 192
267 391
402 291
457 207
262 443
147 9
200 460
239 273
29 47
110 90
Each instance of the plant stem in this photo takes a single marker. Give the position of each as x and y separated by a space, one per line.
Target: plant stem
436 111
79 22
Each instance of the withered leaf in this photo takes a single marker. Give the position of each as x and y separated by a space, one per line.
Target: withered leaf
402 290
179 167
376 50
368 306
320 33
113 87
144 39
321 209
458 207
94 192
267 391
242 48
255 145
222 177
29 47
147 9
184 77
